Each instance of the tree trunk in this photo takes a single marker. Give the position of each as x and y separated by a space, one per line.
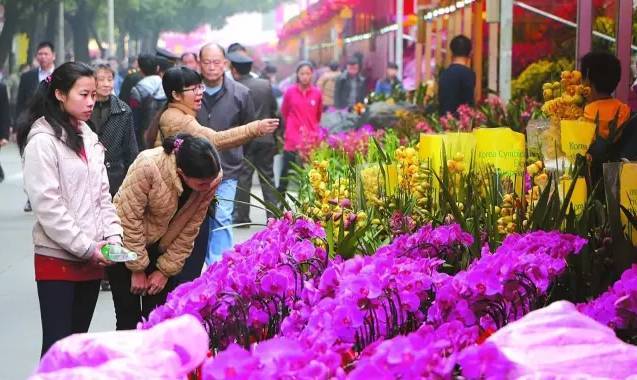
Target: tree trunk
52 23
80 24
154 39
149 41
103 52
80 39
35 33
121 54
8 30
146 43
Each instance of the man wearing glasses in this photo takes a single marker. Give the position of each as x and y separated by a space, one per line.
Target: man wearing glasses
226 104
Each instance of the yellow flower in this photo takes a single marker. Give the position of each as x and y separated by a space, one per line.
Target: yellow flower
547 94
532 169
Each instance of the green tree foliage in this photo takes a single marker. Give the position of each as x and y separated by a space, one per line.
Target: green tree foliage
139 19
145 19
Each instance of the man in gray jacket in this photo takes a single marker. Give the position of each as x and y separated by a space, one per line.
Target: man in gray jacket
226 104
260 151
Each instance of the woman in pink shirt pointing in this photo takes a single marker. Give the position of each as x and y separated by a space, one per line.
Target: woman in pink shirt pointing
301 111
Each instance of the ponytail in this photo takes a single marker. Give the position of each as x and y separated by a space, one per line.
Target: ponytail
194 155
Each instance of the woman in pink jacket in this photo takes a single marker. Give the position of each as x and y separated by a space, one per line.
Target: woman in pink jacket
301 110
66 181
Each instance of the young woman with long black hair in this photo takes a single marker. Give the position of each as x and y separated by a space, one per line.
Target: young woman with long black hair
66 181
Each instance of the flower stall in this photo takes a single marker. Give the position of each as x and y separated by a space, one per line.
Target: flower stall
331 30
416 251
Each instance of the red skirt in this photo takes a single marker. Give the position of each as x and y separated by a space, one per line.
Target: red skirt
54 269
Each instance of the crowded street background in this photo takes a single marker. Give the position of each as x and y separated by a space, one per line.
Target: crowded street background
318 189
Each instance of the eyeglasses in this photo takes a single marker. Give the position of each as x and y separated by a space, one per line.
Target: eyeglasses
196 89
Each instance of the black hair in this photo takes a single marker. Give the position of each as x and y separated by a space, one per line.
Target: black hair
147 64
353 61
392 65
236 47
269 69
334 66
44 103
602 70
460 46
212 44
187 54
105 67
242 68
164 64
196 157
177 78
301 65
45 44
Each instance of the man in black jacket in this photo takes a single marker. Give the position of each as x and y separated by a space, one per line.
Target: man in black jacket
45 55
456 83
226 104
260 151
351 86
29 81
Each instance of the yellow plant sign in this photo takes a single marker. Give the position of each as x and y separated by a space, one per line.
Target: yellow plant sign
576 137
391 180
579 196
460 144
21 48
430 150
628 196
502 149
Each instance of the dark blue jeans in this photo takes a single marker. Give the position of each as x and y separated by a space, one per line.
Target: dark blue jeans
66 308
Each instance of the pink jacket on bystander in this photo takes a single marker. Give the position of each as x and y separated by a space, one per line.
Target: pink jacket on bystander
69 195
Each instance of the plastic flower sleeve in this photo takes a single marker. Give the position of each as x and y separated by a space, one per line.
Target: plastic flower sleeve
554 342
173 348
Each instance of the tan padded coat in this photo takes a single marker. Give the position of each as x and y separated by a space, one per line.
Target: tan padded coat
147 206
178 118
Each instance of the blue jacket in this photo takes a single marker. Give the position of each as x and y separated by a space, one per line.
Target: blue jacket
384 86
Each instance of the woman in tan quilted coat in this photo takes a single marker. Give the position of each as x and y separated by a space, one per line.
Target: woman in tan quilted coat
184 89
162 203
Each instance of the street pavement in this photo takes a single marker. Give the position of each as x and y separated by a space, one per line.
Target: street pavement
20 332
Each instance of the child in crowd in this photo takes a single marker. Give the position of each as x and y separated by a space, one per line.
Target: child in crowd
602 71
